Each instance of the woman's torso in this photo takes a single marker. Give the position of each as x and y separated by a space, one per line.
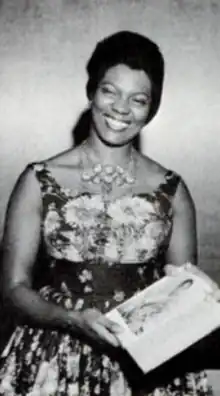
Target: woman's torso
113 250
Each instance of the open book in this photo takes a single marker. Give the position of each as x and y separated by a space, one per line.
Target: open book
166 318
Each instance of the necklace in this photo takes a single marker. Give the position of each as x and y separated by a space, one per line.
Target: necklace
108 176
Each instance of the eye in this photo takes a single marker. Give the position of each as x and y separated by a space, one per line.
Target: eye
141 101
107 90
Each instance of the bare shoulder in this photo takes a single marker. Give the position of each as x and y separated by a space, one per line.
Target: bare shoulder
26 190
70 158
65 167
151 173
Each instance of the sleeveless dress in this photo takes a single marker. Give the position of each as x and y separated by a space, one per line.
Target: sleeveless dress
94 258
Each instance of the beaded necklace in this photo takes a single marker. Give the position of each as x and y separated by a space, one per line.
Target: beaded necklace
108 176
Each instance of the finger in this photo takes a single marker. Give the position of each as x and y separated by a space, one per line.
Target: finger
92 314
105 335
112 326
197 271
193 269
172 270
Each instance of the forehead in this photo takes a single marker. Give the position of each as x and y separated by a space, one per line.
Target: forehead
125 78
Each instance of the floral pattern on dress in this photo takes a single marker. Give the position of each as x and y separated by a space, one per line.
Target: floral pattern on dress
97 258
131 229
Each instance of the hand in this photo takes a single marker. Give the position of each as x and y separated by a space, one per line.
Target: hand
173 270
99 329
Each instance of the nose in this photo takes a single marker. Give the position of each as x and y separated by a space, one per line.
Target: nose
121 106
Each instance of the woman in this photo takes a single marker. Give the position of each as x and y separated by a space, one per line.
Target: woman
108 219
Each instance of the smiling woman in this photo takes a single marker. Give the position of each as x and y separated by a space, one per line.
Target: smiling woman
108 220
121 104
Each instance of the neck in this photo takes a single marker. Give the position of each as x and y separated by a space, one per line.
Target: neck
111 155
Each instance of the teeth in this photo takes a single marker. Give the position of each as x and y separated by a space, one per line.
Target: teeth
115 124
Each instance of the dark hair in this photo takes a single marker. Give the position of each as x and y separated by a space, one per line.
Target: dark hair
137 52
134 50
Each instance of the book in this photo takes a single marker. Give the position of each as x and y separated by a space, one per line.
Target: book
166 318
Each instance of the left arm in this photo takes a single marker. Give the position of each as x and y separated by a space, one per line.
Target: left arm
183 243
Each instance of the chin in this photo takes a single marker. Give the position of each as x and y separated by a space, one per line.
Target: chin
114 141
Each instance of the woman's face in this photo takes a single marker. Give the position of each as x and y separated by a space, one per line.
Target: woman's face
121 104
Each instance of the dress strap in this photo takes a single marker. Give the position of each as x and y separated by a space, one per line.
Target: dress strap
49 184
43 176
170 184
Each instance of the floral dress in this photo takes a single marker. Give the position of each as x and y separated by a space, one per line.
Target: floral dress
95 257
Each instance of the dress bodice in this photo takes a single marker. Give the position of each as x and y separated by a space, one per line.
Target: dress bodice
133 228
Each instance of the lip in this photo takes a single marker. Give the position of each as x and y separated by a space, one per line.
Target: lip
115 123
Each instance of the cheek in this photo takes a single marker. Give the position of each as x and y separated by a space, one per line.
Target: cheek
97 118
140 116
100 103
97 109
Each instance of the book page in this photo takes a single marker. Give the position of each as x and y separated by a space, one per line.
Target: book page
166 317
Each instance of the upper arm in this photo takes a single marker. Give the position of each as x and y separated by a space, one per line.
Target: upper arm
183 243
22 231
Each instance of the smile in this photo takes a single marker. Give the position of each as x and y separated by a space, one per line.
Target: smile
116 125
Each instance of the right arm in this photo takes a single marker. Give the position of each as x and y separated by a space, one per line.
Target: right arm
20 247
